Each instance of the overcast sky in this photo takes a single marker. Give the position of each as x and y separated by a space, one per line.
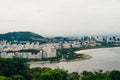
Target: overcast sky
60 17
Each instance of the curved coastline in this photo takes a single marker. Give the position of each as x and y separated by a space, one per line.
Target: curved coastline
102 58
85 56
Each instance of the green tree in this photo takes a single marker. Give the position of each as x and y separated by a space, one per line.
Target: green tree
115 75
5 78
18 77
47 76
73 76
14 66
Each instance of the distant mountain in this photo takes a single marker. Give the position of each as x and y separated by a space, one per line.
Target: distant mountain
21 36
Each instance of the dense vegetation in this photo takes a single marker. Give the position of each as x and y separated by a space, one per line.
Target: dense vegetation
18 69
25 50
69 54
22 36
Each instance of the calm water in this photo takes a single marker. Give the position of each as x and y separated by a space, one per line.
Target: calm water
105 59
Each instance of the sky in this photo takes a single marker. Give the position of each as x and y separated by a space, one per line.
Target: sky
60 17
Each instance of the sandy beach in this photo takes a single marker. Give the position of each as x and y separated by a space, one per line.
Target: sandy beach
82 51
87 50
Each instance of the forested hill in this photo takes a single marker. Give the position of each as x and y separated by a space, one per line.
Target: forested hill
21 36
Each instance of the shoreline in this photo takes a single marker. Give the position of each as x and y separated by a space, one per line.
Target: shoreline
86 56
86 50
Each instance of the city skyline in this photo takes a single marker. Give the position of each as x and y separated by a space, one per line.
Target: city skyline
60 17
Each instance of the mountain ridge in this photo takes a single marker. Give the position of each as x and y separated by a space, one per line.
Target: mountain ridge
21 36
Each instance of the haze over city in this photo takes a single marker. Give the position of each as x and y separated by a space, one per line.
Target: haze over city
60 17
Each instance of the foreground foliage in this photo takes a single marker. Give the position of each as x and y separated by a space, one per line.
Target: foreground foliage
17 69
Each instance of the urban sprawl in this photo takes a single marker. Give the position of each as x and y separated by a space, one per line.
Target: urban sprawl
47 50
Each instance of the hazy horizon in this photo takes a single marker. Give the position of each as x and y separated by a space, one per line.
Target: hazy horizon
60 17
